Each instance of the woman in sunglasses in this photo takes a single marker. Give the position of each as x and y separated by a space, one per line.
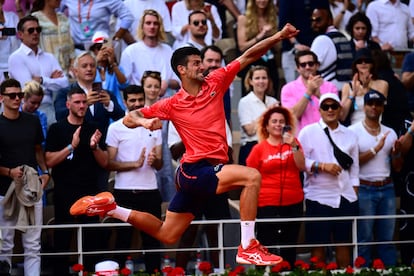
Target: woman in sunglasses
279 159
365 77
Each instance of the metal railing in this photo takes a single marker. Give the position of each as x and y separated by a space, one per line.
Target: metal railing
221 248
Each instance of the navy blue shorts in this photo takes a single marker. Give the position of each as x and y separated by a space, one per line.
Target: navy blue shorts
195 183
330 231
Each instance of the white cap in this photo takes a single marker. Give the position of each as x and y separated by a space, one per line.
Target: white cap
331 96
100 37
107 268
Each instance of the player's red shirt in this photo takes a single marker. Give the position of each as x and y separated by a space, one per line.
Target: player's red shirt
199 120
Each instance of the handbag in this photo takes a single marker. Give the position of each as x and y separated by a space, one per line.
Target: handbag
343 158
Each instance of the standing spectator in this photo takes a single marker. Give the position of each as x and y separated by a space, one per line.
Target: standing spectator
154 52
251 106
20 7
298 13
17 148
359 28
407 78
30 62
109 72
102 104
258 23
55 37
333 49
180 25
75 152
151 82
302 95
88 16
377 144
33 95
8 43
279 159
134 154
342 10
365 78
386 17
330 186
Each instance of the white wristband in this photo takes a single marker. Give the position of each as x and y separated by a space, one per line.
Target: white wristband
373 151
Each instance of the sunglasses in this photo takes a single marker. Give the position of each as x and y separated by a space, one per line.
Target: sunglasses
154 74
316 19
334 106
13 96
32 30
364 60
374 102
203 22
309 63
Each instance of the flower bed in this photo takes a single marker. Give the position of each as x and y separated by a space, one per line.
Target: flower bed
301 268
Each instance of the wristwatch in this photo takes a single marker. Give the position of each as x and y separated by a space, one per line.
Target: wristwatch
295 148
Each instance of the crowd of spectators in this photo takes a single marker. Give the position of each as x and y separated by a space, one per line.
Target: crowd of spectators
86 63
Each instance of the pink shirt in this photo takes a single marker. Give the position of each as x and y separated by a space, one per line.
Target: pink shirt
293 91
199 120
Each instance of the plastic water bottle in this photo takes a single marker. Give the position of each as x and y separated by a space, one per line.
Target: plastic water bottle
129 263
197 270
165 264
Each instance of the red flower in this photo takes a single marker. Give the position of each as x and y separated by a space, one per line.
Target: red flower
349 270
359 262
331 266
284 265
319 265
314 259
239 269
167 269
205 267
178 271
125 271
77 267
299 263
378 264
232 273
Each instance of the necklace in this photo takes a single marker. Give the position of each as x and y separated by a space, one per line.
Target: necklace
374 131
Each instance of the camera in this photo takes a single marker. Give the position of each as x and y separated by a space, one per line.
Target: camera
286 128
8 31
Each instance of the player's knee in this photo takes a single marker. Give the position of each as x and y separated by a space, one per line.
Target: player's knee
254 177
169 239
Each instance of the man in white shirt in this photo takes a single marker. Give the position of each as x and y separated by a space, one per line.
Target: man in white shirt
330 189
150 53
392 26
29 62
134 154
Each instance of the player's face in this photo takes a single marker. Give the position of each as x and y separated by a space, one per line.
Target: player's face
260 81
194 69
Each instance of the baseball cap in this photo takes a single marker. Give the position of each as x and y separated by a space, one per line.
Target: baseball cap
327 96
100 37
374 95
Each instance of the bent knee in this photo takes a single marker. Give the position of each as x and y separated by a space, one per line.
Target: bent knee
169 239
254 177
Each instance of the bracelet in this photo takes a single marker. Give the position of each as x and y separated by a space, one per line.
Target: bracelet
316 167
295 148
307 97
351 98
45 172
373 151
70 148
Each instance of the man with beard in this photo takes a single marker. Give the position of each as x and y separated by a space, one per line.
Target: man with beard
134 154
302 95
333 49
75 152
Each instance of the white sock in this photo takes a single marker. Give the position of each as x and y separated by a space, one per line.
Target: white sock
247 232
120 213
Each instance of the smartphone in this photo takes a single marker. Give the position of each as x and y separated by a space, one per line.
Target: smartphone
97 86
8 31
286 128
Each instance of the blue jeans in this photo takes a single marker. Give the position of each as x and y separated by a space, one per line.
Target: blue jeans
377 201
